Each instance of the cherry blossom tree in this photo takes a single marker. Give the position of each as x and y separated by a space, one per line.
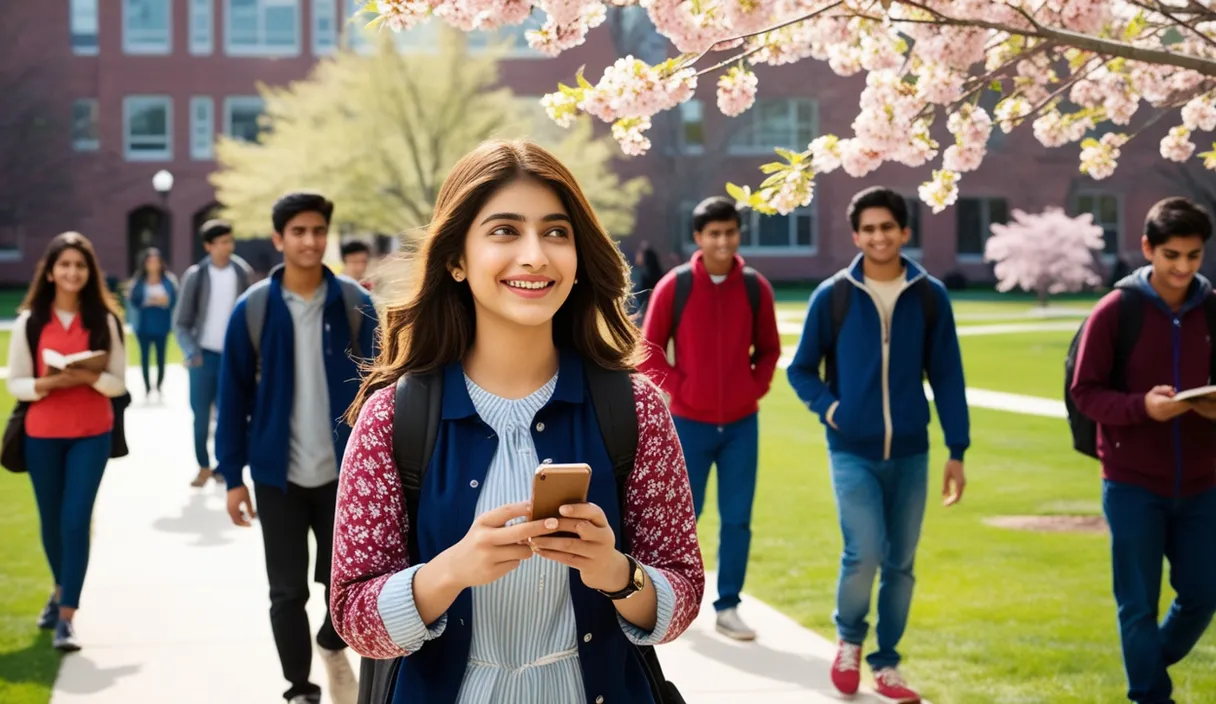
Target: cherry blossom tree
1064 66
1045 253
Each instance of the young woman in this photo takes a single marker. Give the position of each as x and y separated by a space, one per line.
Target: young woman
153 297
519 290
67 427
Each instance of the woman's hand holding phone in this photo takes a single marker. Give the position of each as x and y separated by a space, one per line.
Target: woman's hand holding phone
491 548
593 553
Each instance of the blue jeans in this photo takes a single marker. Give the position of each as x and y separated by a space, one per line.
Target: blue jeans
881 504
66 474
734 449
1145 529
204 386
146 344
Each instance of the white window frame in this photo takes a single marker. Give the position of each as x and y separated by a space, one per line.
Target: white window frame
1075 208
86 145
740 144
750 223
691 112
239 101
136 47
202 27
262 48
129 104
985 227
83 22
325 42
916 226
202 129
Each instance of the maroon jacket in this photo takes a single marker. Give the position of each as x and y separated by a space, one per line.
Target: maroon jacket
1175 458
714 379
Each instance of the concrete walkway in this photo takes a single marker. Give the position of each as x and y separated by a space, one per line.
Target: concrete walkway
175 607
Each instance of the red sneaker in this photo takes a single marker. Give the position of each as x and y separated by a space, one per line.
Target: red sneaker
846 669
890 684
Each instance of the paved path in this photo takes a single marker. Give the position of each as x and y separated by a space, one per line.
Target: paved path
175 605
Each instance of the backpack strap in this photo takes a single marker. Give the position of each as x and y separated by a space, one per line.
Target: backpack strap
1131 316
751 282
928 303
32 334
418 404
257 298
352 300
616 411
1209 312
683 290
840 296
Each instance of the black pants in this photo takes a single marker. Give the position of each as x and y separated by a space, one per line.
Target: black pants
286 518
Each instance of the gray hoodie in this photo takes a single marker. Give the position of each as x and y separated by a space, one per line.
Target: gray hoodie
191 312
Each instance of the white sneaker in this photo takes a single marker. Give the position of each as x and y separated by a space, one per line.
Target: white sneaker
732 626
343 687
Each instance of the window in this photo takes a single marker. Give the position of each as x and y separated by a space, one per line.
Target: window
202 127
262 27
760 234
241 114
147 127
1107 215
777 122
324 27
914 239
147 27
202 15
974 219
83 24
692 127
84 125
512 37
11 235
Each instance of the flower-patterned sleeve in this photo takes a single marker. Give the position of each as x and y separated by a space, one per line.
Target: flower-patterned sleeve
660 524
371 593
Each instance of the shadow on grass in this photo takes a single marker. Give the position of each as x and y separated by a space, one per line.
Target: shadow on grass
36 663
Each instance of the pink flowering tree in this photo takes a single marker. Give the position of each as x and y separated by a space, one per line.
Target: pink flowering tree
1125 62
1045 253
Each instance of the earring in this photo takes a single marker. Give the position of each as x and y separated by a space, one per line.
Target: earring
576 281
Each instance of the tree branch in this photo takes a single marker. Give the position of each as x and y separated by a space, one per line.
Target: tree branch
766 30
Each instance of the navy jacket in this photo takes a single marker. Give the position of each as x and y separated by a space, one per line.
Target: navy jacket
254 419
883 413
153 321
565 430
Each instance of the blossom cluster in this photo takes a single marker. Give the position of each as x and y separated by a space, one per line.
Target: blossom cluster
916 65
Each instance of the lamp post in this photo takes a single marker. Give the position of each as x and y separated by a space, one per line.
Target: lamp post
162 182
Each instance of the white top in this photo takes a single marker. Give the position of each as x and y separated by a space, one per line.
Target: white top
310 461
886 293
20 383
717 278
156 291
220 302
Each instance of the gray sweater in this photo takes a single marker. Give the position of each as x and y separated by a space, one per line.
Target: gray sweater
192 301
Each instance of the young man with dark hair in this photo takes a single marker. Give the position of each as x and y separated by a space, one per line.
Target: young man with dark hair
208 292
881 324
721 317
356 256
1158 454
289 372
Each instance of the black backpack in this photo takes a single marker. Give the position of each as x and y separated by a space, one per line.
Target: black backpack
841 296
751 281
419 400
1131 316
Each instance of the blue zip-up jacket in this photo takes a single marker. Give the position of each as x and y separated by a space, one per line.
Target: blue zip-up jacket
565 430
879 409
254 420
153 321
1174 348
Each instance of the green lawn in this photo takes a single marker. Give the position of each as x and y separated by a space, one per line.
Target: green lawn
999 615
1022 363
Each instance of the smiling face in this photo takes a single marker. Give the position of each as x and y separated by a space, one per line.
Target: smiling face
519 259
879 236
154 266
70 272
718 240
303 240
1175 262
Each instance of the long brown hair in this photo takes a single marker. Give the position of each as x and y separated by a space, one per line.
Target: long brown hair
96 301
433 326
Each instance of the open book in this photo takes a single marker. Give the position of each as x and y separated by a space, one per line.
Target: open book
1205 392
94 361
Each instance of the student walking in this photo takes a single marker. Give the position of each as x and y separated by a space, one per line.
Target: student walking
726 351
208 293
1158 455
356 256
153 297
895 325
67 310
289 371
520 305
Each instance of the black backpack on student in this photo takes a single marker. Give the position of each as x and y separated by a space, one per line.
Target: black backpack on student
416 419
1131 316
839 299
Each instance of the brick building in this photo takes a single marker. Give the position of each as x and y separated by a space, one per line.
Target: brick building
120 89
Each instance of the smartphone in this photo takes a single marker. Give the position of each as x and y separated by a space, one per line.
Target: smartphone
556 485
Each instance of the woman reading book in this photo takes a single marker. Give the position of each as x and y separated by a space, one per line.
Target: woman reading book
67 311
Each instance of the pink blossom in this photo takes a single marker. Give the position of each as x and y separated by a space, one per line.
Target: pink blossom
1177 145
857 159
736 91
941 192
1099 158
825 153
628 132
1200 113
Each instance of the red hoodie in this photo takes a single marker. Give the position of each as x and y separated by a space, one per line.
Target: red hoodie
713 380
